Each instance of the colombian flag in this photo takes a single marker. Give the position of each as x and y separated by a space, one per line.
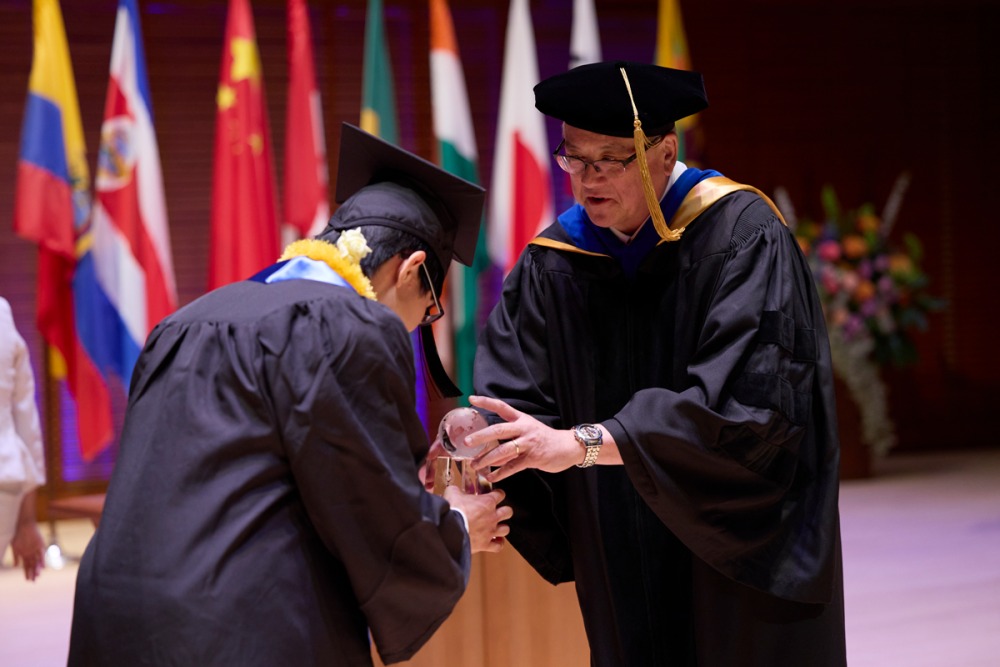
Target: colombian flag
52 208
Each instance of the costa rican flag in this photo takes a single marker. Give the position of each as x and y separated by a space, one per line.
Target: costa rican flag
124 281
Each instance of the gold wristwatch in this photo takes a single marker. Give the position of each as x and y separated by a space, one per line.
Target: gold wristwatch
590 437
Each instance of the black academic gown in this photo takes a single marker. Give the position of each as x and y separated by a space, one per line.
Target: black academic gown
717 543
265 508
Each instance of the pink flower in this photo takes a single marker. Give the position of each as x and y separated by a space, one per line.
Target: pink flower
849 280
828 251
830 281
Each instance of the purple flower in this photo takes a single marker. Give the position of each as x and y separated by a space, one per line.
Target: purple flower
887 287
852 327
869 307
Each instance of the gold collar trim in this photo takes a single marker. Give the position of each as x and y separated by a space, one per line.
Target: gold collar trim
706 193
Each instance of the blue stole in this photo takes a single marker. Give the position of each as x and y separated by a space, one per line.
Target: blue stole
587 236
300 268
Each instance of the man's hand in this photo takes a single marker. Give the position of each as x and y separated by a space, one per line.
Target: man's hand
486 530
530 443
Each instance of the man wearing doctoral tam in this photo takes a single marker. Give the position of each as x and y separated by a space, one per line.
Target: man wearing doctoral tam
266 507
658 373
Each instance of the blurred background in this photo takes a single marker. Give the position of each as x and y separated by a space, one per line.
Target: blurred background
803 95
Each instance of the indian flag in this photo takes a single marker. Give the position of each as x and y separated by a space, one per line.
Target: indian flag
456 143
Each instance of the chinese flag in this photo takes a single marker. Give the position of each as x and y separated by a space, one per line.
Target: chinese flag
244 236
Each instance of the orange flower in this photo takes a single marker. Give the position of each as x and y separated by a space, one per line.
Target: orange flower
868 222
838 316
900 264
854 246
805 245
864 291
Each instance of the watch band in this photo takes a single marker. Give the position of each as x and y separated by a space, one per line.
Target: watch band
590 437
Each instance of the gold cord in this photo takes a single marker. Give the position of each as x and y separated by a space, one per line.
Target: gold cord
652 202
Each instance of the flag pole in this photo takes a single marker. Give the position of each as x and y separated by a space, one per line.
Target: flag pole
52 437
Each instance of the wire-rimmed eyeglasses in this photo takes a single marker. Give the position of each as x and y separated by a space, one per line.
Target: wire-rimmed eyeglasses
434 312
572 164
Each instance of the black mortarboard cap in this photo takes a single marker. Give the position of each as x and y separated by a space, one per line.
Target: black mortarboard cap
594 97
381 184
456 203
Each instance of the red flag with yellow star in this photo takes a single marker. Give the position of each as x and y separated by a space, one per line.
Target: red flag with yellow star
244 211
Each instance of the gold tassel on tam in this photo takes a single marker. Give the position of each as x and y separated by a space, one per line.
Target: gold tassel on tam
652 203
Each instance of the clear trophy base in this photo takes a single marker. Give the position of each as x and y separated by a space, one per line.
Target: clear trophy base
459 472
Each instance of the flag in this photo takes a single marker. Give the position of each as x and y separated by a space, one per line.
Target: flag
378 117
378 99
307 206
584 48
672 51
244 214
124 280
584 38
52 208
521 192
456 144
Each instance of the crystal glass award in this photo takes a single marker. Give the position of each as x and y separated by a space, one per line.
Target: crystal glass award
455 467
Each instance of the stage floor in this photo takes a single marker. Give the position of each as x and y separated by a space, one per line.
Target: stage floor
921 565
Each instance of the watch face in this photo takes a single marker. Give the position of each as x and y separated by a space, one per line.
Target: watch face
589 432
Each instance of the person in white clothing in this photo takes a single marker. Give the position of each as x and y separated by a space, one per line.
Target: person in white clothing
22 458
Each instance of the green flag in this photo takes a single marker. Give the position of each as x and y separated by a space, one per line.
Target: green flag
378 99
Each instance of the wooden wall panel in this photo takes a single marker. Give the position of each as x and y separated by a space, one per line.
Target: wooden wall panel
508 617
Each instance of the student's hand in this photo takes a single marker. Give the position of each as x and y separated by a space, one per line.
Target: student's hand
426 470
486 530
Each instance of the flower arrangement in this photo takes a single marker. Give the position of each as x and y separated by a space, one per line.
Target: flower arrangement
871 289
874 295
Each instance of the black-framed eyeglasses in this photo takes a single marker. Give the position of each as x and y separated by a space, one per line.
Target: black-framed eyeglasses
434 312
572 164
